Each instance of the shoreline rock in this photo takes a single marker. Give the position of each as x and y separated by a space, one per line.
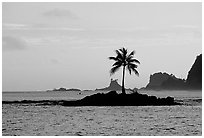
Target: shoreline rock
114 99
113 86
111 98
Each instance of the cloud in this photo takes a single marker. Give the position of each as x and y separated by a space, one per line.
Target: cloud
13 26
10 43
187 26
38 27
54 61
60 13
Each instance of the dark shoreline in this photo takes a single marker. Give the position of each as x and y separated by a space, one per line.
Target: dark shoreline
39 102
109 99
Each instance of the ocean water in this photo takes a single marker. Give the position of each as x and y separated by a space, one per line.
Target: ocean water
32 120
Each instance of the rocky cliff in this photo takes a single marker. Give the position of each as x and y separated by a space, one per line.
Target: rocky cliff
194 78
164 81
156 80
160 81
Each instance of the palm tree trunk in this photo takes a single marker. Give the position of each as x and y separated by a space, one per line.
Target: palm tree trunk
123 81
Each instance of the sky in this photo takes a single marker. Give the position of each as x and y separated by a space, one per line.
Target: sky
52 45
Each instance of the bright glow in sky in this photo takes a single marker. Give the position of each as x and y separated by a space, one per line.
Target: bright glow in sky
52 45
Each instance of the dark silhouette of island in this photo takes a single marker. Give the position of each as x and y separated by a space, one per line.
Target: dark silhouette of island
111 98
63 89
113 86
164 81
114 99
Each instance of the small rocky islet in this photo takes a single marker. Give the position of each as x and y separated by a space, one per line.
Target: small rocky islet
111 98
63 90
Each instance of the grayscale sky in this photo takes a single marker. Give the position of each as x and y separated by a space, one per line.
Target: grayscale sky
52 45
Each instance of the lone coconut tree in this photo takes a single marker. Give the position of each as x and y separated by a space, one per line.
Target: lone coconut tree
126 61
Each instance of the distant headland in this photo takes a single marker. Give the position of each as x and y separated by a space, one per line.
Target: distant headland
165 81
160 81
113 86
63 89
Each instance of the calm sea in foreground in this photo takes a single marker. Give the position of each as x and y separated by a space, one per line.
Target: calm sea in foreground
32 120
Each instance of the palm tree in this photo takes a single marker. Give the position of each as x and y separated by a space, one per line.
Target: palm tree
124 60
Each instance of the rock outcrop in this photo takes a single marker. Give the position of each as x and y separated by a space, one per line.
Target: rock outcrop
194 78
173 83
156 80
109 99
114 99
164 81
113 86
161 81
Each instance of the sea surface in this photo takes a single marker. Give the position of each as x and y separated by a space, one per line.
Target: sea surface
44 120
